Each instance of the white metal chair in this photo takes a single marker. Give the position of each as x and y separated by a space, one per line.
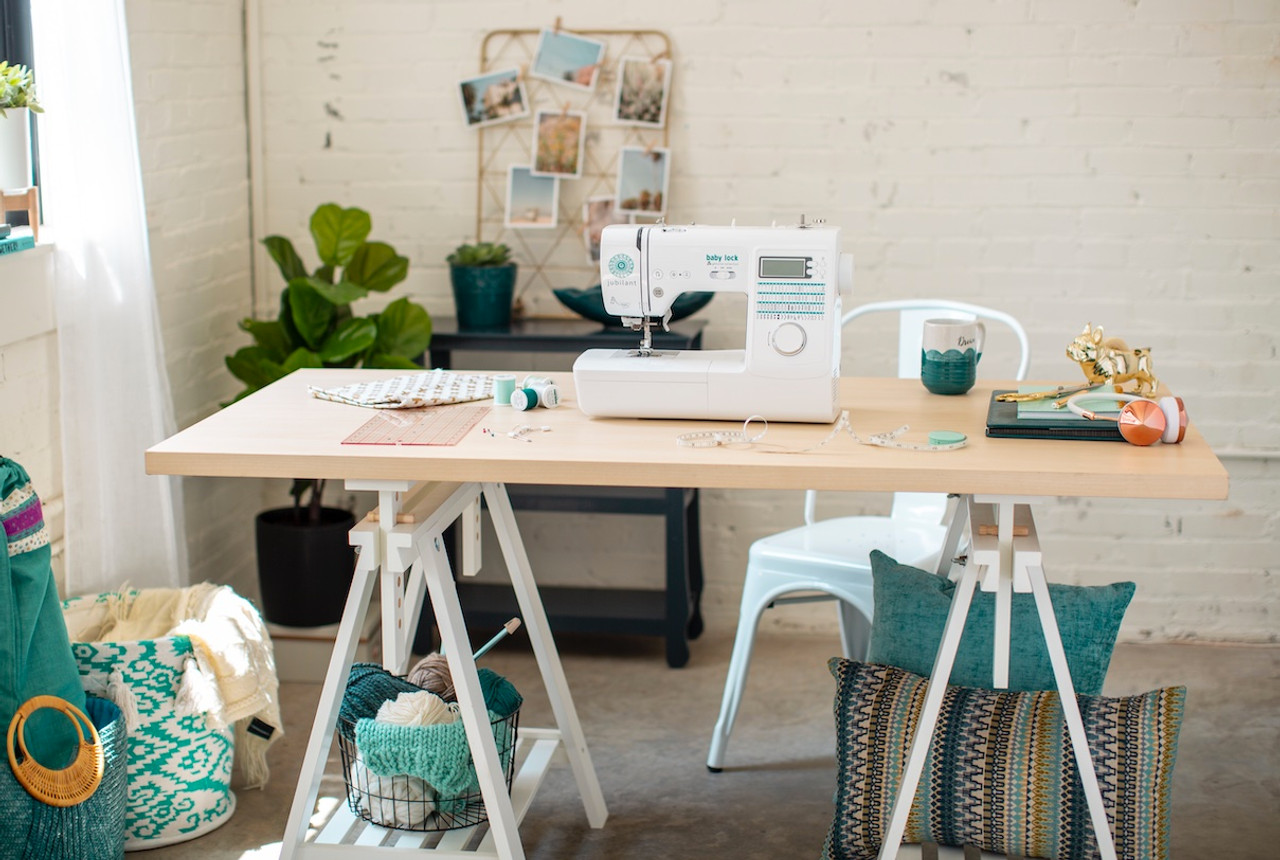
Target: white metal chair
832 557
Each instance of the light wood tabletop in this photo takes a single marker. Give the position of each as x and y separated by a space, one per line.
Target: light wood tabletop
284 432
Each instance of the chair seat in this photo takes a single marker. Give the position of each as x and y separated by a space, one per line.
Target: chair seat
845 544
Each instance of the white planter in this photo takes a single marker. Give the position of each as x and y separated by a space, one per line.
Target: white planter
15 149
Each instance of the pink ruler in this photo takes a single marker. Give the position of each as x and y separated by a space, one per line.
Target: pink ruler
433 425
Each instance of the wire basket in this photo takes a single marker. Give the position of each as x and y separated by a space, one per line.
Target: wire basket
406 802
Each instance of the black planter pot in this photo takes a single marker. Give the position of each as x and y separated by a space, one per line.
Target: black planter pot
304 570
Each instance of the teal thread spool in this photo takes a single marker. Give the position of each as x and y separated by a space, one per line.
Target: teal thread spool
503 385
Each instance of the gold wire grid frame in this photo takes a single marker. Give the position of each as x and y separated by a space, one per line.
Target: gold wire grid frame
558 256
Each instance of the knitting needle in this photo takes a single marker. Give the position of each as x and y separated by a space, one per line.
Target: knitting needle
507 629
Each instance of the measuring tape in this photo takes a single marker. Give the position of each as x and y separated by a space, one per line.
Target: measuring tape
939 440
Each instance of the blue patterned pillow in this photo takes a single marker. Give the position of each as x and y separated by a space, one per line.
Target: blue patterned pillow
1000 773
911 608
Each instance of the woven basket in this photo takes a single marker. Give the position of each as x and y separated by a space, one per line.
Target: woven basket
179 766
92 830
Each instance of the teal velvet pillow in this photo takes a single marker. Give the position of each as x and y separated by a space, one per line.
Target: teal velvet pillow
911 608
1000 773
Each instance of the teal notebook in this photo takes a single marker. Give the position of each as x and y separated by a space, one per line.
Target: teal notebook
1003 422
1041 409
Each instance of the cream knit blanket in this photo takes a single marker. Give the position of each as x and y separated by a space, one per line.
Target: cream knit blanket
232 648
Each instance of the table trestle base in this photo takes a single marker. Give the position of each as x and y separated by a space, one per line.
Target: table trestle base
1002 563
405 555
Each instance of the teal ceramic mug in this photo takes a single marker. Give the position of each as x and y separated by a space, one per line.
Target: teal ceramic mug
949 354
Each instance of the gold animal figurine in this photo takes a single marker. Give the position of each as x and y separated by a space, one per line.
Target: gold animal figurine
1112 362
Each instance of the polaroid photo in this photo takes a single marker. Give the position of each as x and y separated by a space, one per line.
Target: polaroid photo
558 138
493 98
532 201
643 86
642 179
598 213
572 61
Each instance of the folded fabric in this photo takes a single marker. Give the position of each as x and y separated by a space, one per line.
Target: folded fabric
433 388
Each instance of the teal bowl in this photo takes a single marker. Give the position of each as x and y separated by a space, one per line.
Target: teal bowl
589 302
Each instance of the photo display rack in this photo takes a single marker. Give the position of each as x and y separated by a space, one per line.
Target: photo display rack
558 256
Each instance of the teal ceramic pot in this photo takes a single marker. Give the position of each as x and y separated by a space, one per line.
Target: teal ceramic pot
950 372
483 296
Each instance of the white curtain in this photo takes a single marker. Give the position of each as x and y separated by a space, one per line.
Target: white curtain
121 525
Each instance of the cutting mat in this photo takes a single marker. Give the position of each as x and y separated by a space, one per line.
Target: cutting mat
434 425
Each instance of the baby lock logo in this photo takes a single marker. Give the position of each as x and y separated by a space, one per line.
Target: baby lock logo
717 259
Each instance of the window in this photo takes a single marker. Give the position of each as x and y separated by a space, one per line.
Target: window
16 46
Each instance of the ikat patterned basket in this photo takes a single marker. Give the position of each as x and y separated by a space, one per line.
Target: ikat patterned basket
179 773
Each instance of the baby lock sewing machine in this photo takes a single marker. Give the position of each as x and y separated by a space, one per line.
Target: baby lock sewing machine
793 277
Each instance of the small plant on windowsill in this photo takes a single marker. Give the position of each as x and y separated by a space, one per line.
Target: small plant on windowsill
17 103
17 88
316 327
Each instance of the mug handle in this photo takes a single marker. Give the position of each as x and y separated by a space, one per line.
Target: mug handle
982 340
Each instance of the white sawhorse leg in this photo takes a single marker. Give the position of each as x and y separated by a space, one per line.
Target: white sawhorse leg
409 550
1005 564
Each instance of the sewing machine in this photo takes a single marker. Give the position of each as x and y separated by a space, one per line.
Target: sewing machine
793 277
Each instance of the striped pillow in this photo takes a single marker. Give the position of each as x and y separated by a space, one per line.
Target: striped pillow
1000 774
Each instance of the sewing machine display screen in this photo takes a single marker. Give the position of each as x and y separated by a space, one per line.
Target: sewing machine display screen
784 267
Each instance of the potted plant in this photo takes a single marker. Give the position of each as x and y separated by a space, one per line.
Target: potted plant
17 102
484 279
304 561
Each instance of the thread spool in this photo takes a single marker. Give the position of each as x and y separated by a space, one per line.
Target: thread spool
524 399
503 385
536 381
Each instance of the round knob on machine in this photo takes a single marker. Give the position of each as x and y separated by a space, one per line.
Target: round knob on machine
789 338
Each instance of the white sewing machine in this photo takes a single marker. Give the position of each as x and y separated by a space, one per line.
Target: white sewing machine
793 277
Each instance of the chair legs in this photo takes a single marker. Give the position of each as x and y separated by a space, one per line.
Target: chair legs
761 590
855 631
734 683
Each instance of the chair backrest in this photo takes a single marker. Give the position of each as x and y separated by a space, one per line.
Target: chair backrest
925 507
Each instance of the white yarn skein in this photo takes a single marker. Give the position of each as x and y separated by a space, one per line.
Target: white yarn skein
399 801
418 708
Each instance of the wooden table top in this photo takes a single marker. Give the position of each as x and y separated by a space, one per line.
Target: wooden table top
283 432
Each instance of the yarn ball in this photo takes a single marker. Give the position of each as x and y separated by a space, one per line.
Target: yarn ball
401 801
422 708
500 695
432 673
368 686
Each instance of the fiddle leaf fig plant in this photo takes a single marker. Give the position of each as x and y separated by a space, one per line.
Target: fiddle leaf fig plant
316 326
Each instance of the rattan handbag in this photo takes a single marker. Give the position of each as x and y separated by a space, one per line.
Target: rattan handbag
90 829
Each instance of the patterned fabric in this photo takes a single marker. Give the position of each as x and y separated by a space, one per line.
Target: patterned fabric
433 388
179 770
1000 773
23 521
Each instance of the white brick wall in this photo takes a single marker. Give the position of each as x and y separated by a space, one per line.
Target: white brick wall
1102 162
1098 161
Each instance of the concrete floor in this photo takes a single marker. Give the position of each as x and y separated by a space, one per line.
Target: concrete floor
647 728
